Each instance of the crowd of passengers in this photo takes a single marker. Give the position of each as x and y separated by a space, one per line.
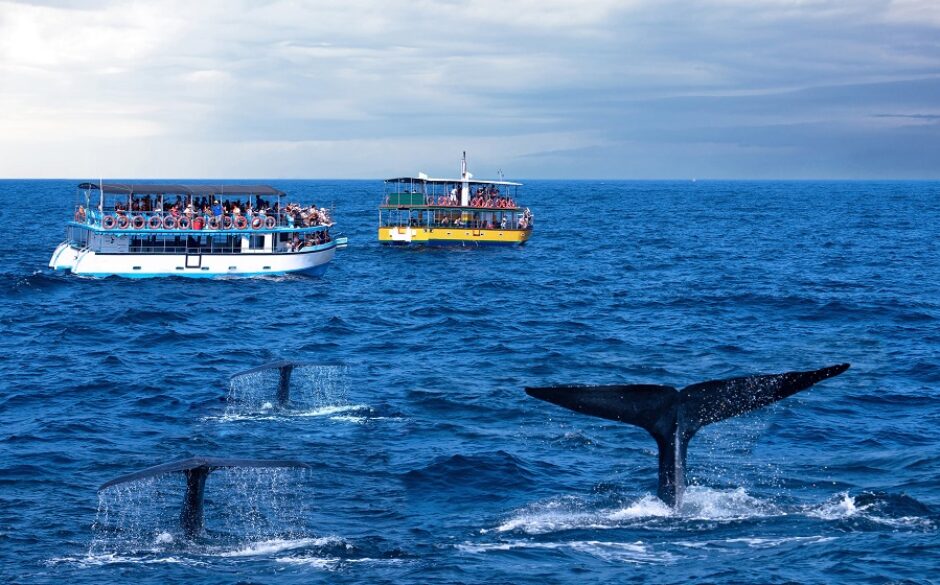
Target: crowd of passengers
524 221
488 197
314 239
293 213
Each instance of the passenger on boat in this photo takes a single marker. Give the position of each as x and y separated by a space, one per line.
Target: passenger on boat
217 209
80 214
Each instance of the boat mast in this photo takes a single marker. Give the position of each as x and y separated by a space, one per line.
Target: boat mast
464 182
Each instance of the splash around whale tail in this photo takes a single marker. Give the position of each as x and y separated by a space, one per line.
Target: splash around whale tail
673 417
196 470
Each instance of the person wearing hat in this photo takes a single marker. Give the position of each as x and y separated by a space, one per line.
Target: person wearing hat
217 208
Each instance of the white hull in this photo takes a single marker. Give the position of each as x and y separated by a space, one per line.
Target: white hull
86 262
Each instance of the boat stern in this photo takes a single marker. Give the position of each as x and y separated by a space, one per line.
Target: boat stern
63 258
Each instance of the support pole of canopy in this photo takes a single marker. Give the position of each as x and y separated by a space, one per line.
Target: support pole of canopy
464 181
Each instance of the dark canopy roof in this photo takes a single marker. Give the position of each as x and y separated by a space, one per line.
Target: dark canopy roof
158 189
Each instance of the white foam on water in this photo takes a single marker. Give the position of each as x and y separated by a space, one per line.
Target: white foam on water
326 564
268 413
843 506
569 513
276 545
332 410
774 542
620 552
163 538
755 542
646 507
332 563
702 503
97 560
552 516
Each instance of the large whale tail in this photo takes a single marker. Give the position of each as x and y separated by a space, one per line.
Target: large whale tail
673 417
196 470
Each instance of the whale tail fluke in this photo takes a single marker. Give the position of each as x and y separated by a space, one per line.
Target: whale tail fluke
673 417
644 405
708 402
196 470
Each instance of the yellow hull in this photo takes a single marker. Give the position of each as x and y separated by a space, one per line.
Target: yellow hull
451 236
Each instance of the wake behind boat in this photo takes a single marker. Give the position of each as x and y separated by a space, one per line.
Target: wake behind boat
144 230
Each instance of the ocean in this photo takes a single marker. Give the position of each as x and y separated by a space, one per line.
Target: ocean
427 461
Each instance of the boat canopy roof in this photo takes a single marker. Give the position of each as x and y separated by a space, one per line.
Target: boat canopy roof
163 189
428 180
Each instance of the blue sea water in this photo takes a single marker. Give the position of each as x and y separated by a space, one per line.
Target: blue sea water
428 463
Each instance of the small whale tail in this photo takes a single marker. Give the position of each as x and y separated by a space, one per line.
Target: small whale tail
196 470
285 369
673 417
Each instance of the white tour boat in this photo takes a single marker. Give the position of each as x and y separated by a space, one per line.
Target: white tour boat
137 230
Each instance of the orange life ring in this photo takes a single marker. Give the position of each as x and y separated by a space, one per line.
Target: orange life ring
108 222
138 222
270 222
185 223
240 222
154 222
169 222
214 222
226 222
257 222
123 222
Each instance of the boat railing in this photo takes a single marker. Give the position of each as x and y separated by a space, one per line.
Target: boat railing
166 220
505 204
144 246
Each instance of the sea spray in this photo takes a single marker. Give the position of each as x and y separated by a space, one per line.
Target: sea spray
311 387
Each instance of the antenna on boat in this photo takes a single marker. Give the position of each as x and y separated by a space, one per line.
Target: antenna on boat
100 193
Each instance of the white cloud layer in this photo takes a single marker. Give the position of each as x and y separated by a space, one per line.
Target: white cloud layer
540 88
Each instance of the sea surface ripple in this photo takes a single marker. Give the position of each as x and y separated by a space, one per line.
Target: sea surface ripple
429 464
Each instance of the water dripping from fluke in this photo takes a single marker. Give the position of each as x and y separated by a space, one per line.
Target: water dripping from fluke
196 471
286 388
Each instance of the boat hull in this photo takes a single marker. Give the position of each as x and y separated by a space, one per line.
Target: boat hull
86 262
452 236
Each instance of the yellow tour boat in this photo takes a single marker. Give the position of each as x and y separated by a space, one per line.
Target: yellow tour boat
462 212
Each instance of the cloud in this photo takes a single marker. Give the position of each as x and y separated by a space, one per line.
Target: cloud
177 87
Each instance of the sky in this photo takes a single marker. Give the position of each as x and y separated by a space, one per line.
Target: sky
603 89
